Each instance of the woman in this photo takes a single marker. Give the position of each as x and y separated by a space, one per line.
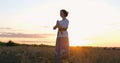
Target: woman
62 41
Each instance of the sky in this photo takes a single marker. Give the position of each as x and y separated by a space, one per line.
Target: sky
92 22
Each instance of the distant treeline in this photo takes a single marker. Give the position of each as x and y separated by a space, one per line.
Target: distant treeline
11 43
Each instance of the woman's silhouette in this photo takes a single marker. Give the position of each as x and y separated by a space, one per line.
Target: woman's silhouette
62 40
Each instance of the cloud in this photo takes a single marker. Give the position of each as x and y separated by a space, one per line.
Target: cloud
23 35
8 29
37 41
5 28
44 26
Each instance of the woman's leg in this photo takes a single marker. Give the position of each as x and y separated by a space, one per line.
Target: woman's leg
64 50
57 50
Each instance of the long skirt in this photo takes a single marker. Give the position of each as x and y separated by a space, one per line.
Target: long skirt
61 49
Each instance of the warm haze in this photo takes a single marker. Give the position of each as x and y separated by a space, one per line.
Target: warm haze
92 22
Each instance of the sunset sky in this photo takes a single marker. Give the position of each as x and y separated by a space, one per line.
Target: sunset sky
92 22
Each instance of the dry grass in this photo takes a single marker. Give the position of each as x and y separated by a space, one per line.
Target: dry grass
37 54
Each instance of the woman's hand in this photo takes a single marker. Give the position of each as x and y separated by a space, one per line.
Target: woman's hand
56 25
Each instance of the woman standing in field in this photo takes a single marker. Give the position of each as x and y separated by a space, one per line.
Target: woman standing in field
62 41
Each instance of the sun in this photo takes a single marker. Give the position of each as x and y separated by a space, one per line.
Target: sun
80 43
77 39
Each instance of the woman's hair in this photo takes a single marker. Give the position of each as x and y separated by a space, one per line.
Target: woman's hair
65 12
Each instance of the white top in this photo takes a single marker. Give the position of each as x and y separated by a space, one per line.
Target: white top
64 24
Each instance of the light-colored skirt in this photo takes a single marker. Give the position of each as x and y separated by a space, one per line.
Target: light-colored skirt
61 49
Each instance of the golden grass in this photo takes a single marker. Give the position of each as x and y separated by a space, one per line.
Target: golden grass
37 54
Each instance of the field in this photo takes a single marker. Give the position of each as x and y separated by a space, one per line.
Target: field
45 54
